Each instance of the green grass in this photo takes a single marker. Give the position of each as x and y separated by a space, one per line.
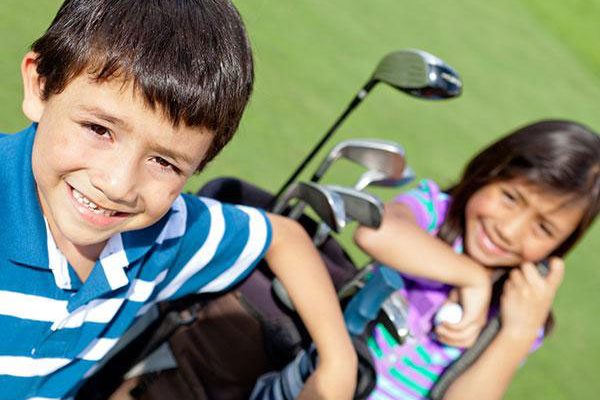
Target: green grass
520 61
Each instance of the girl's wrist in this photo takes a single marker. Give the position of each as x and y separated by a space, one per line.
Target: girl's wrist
480 278
519 335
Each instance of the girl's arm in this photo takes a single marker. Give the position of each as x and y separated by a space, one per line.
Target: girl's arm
295 261
525 304
402 244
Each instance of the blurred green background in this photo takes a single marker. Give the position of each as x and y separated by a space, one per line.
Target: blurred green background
520 61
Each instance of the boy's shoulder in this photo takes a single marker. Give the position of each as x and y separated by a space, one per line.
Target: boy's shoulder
210 213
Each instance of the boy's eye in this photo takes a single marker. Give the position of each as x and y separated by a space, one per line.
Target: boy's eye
166 165
98 129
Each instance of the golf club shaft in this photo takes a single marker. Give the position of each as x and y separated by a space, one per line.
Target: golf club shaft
353 104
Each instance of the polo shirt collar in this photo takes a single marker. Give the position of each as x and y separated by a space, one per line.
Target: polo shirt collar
26 238
23 233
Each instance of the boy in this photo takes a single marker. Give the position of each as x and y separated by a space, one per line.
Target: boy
129 98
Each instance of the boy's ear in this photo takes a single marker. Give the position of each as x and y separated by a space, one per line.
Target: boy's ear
33 85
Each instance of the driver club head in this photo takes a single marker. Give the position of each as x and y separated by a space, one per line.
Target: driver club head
419 74
328 205
374 154
362 207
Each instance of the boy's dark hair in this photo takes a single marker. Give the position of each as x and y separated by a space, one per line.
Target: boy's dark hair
561 156
190 58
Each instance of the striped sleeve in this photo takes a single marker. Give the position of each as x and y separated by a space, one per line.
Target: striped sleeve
427 203
221 245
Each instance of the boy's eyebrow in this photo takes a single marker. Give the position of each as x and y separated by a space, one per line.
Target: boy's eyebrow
180 157
103 115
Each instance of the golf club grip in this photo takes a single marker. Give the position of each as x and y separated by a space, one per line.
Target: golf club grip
486 336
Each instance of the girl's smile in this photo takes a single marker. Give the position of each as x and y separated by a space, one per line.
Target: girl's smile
512 221
488 244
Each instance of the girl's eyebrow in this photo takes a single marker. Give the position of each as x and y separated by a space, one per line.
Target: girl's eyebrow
521 197
544 215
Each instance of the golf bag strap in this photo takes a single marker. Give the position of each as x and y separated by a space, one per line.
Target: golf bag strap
466 360
486 337
108 378
219 355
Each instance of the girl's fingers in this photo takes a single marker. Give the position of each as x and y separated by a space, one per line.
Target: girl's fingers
557 272
517 278
532 276
448 334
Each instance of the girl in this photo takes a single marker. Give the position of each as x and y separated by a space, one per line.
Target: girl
526 198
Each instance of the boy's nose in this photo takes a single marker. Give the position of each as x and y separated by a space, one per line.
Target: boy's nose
117 182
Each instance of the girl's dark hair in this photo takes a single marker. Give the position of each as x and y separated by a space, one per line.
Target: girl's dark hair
560 156
191 58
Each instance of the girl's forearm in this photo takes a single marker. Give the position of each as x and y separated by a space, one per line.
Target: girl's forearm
490 376
401 244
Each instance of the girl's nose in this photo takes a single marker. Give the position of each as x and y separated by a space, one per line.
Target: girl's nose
512 228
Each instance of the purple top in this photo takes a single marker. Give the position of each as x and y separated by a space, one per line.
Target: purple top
410 370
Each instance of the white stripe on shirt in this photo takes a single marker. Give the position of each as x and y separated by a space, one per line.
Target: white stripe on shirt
28 306
254 246
176 224
27 366
114 259
205 254
97 349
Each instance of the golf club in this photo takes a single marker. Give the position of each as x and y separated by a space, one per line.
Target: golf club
414 72
359 206
384 156
328 205
378 178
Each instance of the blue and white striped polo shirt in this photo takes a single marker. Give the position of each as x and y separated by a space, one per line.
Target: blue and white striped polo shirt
53 328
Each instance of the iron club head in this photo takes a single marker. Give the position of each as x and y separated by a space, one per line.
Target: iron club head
328 205
374 154
362 207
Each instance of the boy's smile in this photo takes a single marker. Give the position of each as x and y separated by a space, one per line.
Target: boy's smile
513 221
104 162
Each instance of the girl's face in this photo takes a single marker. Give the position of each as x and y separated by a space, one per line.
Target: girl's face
513 221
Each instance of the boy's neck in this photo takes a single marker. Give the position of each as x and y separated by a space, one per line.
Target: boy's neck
81 258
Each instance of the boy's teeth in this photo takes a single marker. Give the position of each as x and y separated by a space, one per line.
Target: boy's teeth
81 199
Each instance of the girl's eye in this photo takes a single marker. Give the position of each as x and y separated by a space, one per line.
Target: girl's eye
545 229
508 196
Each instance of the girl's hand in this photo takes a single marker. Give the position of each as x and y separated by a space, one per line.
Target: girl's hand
475 302
527 298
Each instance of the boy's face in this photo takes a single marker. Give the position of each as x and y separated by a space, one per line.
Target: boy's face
105 163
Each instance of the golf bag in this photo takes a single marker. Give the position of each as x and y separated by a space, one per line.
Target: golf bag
223 343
